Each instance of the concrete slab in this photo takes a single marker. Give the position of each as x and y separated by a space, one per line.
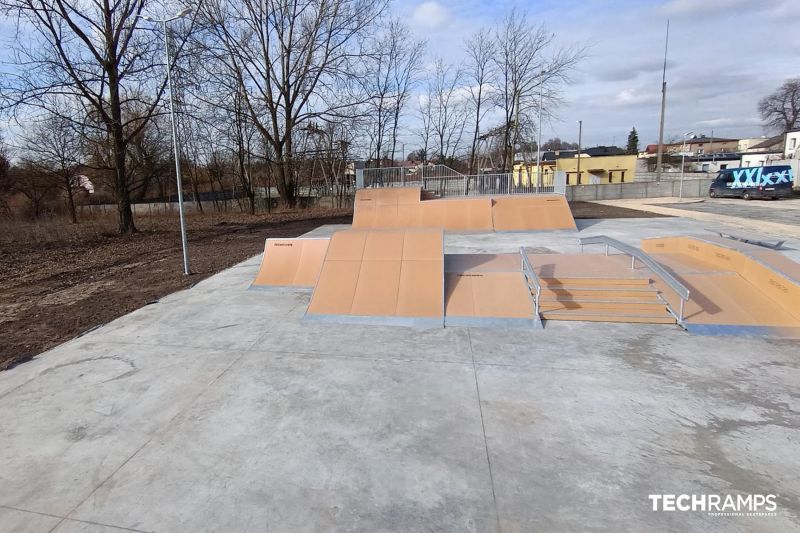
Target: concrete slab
219 409
352 444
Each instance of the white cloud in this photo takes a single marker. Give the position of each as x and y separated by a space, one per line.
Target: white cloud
696 7
636 97
430 15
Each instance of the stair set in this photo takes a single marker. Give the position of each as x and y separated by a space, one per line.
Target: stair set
602 300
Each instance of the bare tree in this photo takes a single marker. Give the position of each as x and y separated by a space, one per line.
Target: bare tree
448 109
406 68
529 68
53 148
781 109
480 49
425 130
294 61
5 181
35 185
93 51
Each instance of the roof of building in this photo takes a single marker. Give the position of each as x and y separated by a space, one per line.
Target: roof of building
769 143
704 140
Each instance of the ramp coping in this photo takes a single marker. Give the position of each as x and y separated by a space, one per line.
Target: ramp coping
635 253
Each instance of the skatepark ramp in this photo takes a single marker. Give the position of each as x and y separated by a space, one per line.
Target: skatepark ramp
391 277
736 288
500 290
291 262
403 207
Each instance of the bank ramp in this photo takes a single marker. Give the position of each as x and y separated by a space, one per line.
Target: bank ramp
291 263
404 207
393 277
736 288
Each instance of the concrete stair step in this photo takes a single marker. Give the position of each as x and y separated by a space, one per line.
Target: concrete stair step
634 307
600 293
585 315
612 283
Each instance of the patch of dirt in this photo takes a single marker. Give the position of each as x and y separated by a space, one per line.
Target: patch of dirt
51 292
593 210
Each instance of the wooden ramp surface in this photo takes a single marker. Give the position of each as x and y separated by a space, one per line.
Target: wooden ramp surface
381 277
403 207
735 288
291 262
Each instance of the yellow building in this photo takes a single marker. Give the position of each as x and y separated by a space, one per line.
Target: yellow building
594 170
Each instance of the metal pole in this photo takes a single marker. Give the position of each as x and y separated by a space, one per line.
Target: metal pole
580 131
539 180
663 108
683 162
184 243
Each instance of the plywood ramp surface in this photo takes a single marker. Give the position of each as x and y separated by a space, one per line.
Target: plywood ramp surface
530 213
498 295
731 284
291 262
400 207
615 266
382 276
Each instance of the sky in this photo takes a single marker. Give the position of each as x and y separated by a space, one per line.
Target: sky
724 55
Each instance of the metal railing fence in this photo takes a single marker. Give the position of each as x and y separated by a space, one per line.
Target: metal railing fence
649 262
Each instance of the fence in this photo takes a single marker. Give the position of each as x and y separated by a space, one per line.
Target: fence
444 181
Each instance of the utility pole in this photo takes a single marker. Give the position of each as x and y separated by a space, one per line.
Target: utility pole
663 108
713 155
580 131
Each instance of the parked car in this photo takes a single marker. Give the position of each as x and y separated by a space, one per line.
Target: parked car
753 182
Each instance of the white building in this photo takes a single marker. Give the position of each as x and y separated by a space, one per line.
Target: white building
791 144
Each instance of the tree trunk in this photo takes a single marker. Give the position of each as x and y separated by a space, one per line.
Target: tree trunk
126 226
71 201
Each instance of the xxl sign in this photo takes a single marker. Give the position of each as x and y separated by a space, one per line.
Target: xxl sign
759 177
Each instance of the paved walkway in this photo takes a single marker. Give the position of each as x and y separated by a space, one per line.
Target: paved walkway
776 218
219 409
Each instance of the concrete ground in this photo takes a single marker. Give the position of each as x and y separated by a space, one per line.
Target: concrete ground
778 218
219 409
785 211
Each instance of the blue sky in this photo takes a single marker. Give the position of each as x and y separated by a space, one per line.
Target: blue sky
724 55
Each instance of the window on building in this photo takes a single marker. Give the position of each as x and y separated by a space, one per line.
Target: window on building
723 167
792 143
699 150
622 176
610 176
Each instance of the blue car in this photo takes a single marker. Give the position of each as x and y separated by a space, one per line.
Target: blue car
753 182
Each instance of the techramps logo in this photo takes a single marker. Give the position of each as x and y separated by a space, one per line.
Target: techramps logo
744 505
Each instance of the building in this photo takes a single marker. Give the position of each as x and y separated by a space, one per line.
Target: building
713 163
594 169
746 144
703 145
791 144
767 152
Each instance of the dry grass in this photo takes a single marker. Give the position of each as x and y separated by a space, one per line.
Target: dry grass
94 226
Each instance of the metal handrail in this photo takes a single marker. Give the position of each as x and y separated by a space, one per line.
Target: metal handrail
530 275
635 253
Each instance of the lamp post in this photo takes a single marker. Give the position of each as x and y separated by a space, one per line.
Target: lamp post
580 131
683 161
163 22
539 181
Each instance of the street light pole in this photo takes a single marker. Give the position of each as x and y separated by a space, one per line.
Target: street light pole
539 180
683 162
580 131
184 241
